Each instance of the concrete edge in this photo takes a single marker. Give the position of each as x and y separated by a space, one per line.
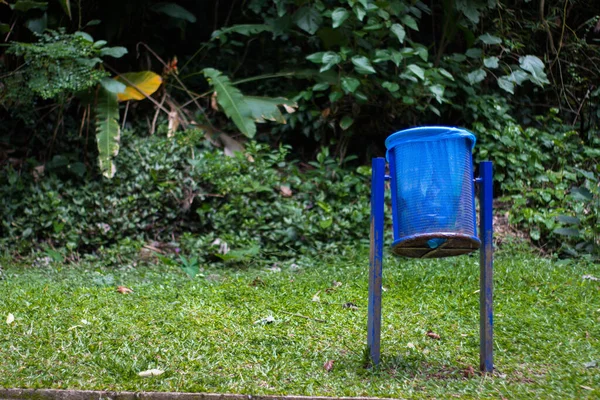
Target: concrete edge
57 394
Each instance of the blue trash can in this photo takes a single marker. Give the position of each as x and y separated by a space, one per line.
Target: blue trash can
433 201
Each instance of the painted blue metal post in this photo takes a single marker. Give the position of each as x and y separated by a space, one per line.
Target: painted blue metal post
486 264
376 259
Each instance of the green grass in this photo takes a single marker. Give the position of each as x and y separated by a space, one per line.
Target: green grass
73 330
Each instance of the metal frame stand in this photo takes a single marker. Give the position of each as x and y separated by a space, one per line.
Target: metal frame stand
486 263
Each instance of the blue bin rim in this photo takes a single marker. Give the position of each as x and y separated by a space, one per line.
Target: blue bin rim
426 134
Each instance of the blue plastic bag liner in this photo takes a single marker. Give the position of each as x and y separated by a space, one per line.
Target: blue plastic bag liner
433 192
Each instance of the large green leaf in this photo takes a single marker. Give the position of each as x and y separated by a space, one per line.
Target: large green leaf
37 25
491 62
107 130
116 52
582 194
470 9
517 76
329 60
362 65
391 86
410 22
112 85
339 15
243 29
26 5
535 67
346 122
308 19
66 5
476 76
316 57
567 231
396 57
359 12
438 92
349 85
506 84
490 39
232 101
267 108
174 11
567 219
399 31
422 52
86 36
418 71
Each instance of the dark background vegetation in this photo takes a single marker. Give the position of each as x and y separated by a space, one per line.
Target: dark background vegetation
522 75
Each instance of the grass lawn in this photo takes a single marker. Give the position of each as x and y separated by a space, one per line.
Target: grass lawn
72 329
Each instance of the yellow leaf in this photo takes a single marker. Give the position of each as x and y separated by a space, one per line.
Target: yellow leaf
139 85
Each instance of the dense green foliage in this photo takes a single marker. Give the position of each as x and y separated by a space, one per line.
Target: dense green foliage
177 189
548 180
341 75
60 63
374 58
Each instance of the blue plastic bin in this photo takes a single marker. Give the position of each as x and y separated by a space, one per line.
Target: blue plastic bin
433 202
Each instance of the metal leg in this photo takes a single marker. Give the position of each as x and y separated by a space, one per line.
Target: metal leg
486 263
375 259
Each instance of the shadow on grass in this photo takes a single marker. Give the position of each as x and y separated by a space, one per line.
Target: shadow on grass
408 367
419 366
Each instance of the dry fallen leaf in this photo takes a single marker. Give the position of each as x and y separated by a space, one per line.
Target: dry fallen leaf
433 335
285 191
230 145
124 290
334 286
173 123
213 101
316 297
469 372
328 366
290 109
586 387
10 318
257 282
74 327
38 172
151 372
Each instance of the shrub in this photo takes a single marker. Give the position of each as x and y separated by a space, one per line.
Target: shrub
171 188
547 176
